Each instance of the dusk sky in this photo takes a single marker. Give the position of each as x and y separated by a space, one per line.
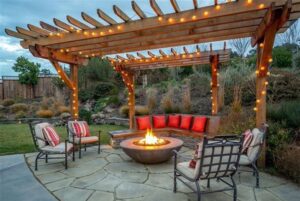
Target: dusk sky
21 12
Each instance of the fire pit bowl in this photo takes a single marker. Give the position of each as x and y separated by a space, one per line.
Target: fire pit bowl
150 154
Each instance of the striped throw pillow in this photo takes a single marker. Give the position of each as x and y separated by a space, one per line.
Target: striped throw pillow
197 155
81 128
51 136
248 136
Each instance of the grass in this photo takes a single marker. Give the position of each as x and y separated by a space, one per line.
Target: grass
16 138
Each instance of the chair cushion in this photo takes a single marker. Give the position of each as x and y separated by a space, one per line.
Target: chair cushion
80 128
244 160
184 168
39 133
159 121
199 124
248 136
86 140
60 148
173 121
255 144
51 136
143 123
186 121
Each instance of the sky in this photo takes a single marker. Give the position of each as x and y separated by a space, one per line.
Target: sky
22 12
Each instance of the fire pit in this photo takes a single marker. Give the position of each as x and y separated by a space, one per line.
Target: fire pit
151 149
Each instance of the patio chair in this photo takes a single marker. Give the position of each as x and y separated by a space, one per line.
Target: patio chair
46 151
218 160
79 134
253 151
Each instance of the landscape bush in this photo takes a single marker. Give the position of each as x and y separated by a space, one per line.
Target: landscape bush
20 114
63 109
44 113
151 98
85 115
124 110
141 110
186 99
8 102
17 107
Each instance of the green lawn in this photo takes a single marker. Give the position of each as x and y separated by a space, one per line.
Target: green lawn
16 138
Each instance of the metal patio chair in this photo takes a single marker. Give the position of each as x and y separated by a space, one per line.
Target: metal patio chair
45 150
253 152
219 160
79 141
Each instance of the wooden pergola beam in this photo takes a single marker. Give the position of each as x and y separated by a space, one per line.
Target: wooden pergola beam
38 30
140 55
174 51
74 97
121 14
91 20
62 74
162 53
77 23
195 2
175 6
50 28
138 10
63 25
214 84
151 54
105 17
185 50
156 8
17 34
26 32
130 56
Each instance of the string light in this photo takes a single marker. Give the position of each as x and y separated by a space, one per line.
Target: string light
261 6
205 13
249 1
119 27
110 30
160 18
182 19
266 83
218 7
194 17
263 92
170 20
261 45
255 109
270 60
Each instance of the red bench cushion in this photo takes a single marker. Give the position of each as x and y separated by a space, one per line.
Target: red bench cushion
174 121
159 121
51 136
199 124
186 122
143 123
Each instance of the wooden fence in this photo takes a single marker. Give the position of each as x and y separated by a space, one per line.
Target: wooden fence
10 87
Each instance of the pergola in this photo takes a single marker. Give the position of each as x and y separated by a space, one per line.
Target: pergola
78 40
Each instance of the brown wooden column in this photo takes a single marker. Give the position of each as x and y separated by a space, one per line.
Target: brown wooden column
214 60
74 96
131 100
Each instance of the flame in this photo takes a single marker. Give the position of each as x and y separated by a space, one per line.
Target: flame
151 139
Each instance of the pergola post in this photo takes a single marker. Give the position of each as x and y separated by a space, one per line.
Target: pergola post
131 100
74 97
214 60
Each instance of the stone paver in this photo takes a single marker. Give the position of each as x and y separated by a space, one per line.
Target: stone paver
113 176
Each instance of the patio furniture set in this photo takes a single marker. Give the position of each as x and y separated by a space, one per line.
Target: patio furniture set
216 157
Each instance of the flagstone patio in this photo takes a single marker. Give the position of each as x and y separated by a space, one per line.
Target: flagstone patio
113 176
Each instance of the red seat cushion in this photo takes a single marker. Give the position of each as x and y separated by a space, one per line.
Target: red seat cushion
143 123
186 121
199 124
159 121
174 121
51 136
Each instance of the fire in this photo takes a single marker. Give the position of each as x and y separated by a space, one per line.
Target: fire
151 139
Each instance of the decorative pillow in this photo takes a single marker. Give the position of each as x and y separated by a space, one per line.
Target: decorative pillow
199 124
80 128
186 121
197 155
143 123
174 121
248 136
159 121
51 136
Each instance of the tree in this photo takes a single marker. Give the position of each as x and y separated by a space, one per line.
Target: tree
291 36
28 72
240 45
45 71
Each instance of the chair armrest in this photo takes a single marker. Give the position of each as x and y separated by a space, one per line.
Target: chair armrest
177 154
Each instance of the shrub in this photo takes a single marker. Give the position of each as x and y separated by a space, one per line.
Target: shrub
186 99
151 98
85 95
85 115
285 161
17 107
47 103
141 110
8 102
104 89
124 110
44 113
167 102
282 57
63 109
101 104
20 114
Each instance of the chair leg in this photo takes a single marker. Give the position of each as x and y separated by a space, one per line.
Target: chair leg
36 161
79 150
256 174
66 160
46 158
84 147
208 183
234 189
99 146
73 152
198 191
175 182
